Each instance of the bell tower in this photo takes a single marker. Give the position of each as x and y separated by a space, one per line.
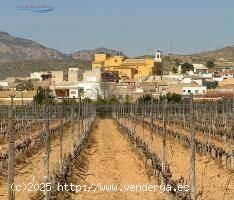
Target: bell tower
158 63
158 56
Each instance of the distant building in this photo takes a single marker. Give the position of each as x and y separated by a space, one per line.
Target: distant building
86 85
75 75
110 76
197 69
195 90
158 56
3 84
21 97
92 75
41 76
57 76
127 67
227 75
200 69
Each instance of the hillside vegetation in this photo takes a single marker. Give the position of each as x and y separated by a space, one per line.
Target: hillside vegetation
221 57
21 69
88 55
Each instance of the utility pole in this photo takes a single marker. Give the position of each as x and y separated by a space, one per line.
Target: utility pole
192 158
11 195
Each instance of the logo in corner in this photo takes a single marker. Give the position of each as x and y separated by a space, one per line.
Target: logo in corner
36 8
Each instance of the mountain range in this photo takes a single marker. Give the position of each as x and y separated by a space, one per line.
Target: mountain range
14 49
19 56
88 55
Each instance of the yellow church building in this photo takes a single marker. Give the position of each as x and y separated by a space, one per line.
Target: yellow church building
129 67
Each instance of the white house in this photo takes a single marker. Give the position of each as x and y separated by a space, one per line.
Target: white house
36 75
75 87
197 69
3 83
89 90
207 75
227 75
195 90
90 86
200 69
187 80
219 79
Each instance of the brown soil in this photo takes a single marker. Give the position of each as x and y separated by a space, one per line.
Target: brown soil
209 174
114 162
35 168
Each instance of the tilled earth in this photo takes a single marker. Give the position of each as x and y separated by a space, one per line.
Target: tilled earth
114 162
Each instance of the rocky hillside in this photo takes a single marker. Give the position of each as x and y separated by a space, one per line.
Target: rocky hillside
221 57
13 49
24 68
88 55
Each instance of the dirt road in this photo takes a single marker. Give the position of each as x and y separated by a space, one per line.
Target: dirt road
114 162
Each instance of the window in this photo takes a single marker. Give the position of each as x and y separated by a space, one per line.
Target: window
184 90
196 91
189 91
73 92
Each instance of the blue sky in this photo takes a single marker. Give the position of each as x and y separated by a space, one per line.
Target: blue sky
133 26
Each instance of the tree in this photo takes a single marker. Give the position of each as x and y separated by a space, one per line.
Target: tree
127 99
24 86
177 62
210 64
185 67
41 96
113 100
211 85
107 89
174 70
171 97
145 99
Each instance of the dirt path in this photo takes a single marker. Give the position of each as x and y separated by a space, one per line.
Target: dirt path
208 172
114 162
35 167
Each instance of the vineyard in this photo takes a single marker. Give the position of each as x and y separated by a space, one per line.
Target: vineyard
45 149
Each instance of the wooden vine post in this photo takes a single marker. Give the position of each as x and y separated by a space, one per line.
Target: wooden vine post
232 138
164 134
47 140
11 195
192 158
61 139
